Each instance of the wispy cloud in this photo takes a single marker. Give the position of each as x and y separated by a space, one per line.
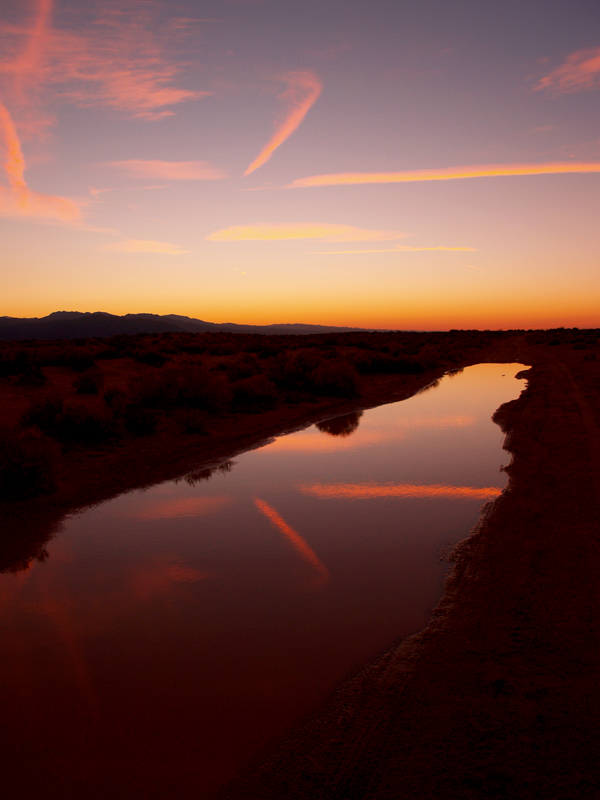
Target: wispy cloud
112 56
307 230
446 174
145 246
17 199
26 64
169 170
580 71
303 90
398 249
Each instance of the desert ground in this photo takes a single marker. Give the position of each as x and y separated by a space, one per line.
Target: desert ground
499 696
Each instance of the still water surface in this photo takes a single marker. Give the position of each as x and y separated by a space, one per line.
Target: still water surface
175 634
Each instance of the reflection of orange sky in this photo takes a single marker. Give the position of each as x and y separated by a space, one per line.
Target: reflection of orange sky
311 441
158 579
369 491
58 610
294 537
181 507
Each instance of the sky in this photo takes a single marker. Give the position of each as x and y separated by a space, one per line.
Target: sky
372 163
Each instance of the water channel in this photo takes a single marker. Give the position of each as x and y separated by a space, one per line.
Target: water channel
173 635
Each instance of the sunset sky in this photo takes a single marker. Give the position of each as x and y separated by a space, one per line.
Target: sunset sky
373 163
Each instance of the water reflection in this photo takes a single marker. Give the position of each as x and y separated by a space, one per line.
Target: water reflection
322 573
340 426
175 634
205 474
368 491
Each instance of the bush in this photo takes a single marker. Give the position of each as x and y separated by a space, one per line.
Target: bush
69 424
337 379
193 421
89 383
139 421
254 394
26 465
150 358
187 386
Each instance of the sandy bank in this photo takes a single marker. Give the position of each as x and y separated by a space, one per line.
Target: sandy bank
499 697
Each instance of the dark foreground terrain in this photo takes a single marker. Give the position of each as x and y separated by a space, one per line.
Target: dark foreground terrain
499 696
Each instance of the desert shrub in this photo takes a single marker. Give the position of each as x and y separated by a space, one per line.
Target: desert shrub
192 421
44 415
386 364
80 362
138 421
187 385
22 366
150 358
27 464
89 383
114 398
69 424
292 369
245 366
255 393
337 379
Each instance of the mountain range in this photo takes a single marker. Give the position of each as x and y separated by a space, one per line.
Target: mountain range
83 325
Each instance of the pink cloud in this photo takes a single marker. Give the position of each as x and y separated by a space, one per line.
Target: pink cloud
301 94
116 59
17 199
169 170
580 71
447 173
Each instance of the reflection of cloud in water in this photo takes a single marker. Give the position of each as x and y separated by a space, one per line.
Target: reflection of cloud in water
308 440
181 507
159 579
368 491
322 573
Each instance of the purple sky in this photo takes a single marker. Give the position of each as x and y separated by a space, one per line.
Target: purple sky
387 164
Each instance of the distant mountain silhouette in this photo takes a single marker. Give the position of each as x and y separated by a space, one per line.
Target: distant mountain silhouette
84 325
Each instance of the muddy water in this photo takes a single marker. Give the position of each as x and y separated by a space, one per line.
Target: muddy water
174 635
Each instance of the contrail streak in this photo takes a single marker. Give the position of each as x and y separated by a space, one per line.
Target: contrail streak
303 91
294 537
18 199
447 174
29 60
14 161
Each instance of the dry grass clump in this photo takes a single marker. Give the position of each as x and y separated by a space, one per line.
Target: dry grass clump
27 464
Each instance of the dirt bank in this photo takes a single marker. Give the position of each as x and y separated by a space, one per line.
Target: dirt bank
499 697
